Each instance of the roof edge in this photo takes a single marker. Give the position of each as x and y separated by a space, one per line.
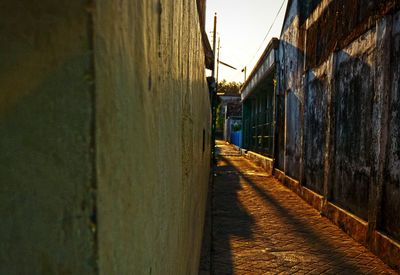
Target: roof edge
273 44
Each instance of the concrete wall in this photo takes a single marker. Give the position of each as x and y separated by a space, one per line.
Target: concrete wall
46 159
339 73
290 66
391 187
354 93
315 127
152 163
104 129
339 70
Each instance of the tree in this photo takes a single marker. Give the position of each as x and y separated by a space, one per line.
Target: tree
229 88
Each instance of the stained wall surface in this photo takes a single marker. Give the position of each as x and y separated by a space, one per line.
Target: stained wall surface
391 188
291 86
354 93
339 71
315 128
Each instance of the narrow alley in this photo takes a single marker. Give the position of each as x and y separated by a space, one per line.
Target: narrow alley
109 115
260 227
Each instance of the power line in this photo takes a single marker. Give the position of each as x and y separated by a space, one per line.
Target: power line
269 30
265 38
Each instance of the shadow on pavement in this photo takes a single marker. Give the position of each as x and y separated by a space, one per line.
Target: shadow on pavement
236 221
230 218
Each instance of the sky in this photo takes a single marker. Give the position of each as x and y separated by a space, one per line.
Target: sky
242 27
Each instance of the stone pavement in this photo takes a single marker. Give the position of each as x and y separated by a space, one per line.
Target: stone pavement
261 227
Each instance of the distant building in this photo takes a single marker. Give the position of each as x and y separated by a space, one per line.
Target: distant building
231 112
257 95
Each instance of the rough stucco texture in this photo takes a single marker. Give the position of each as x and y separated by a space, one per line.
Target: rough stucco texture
152 112
45 114
104 169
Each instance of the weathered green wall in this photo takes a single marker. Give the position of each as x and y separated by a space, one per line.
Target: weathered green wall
45 124
102 164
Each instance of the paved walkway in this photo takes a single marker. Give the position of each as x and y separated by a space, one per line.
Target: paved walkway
261 227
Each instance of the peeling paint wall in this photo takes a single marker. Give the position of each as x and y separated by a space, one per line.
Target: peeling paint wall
104 137
289 66
339 70
391 188
353 100
315 128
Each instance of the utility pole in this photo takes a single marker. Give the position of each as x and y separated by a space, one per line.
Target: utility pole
245 71
219 47
214 42
213 133
214 93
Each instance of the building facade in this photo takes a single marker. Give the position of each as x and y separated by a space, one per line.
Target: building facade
258 99
336 115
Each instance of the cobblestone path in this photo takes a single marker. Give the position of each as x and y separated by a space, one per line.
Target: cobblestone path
261 227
